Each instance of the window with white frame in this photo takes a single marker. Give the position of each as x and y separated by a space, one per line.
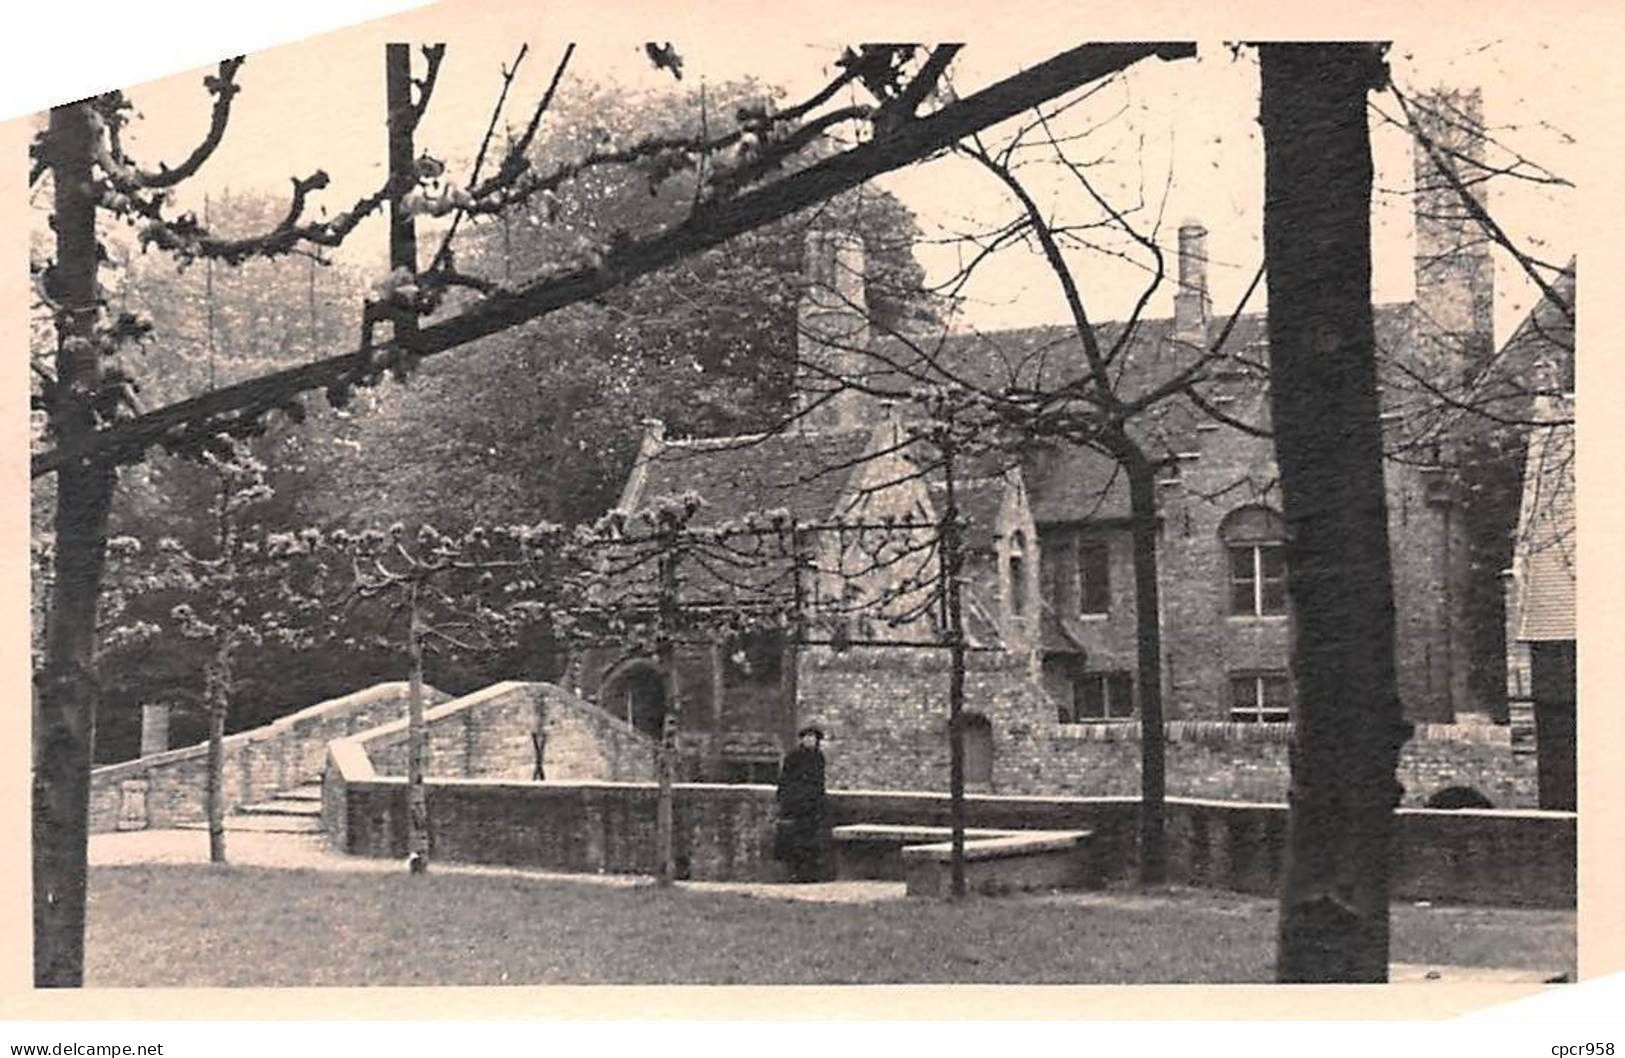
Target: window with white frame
1099 696
1260 698
1255 545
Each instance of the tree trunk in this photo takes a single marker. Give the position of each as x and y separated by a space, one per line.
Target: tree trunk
952 562
401 123
666 753
1349 724
1148 627
665 761
219 698
68 689
212 789
417 800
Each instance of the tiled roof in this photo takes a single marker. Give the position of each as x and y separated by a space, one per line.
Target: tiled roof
1053 635
1070 483
1546 545
1545 338
804 473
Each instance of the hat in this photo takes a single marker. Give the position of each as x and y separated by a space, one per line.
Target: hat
815 726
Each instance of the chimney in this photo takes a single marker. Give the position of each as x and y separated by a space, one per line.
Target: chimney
1455 278
653 429
832 329
1191 304
154 729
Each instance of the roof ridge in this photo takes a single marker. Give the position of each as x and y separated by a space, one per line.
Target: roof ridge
744 440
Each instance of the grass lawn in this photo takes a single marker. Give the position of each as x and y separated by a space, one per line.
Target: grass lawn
201 926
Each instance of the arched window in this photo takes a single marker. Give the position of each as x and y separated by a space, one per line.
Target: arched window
1254 539
1018 574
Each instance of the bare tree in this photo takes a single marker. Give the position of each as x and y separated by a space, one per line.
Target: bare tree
1114 389
88 395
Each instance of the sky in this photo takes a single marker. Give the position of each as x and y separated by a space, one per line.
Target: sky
1181 138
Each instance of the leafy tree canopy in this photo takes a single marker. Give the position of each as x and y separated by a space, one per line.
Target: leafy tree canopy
707 345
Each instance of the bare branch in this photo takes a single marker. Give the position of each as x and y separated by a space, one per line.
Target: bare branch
222 86
1478 213
237 407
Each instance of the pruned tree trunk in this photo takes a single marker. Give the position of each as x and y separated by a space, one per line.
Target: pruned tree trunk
402 123
952 563
666 753
665 762
417 800
219 698
1142 485
1323 388
68 688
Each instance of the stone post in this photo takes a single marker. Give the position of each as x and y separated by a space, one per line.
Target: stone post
154 728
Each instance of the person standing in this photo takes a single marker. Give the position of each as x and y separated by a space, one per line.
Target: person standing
799 836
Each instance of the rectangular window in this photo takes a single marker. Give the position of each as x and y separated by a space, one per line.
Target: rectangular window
1260 698
1094 577
1099 696
1258 580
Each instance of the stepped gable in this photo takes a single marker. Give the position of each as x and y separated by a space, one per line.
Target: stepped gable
804 473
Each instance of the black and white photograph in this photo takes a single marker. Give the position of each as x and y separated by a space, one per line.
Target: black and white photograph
758 499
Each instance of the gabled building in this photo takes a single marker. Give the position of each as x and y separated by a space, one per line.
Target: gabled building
1052 689
742 696
1541 627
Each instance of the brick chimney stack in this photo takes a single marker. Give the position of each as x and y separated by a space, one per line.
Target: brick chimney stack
1455 277
831 330
1191 303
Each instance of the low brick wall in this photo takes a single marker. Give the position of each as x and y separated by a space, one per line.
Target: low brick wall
485 735
724 832
885 718
719 831
258 763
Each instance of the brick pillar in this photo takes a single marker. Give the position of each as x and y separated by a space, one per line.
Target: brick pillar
154 729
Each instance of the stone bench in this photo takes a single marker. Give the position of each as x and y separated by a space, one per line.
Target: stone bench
1011 861
874 850
995 860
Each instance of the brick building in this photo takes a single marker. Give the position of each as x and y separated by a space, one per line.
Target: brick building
1052 689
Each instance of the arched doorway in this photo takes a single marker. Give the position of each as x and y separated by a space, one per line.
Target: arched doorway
637 694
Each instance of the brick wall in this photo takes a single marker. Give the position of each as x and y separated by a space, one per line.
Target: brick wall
258 763
725 832
487 735
885 715
719 831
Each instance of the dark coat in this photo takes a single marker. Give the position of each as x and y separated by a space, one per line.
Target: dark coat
801 784
798 839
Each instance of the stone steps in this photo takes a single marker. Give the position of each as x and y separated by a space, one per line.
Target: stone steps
282 806
266 824
294 811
